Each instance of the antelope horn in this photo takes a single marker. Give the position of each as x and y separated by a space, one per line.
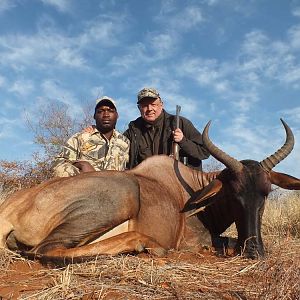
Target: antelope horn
270 162
230 162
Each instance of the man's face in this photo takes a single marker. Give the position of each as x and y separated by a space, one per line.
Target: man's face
106 118
150 109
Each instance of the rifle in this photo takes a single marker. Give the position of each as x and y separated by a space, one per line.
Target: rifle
175 145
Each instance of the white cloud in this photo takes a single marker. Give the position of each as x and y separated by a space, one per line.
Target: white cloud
296 12
212 2
229 80
97 91
239 128
190 17
6 5
163 45
156 48
61 5
190 108
108 4
102 32
293 113
127 110
292 76
253 50
275 60
204 71
20 51
184 20
167 6
22 87
5 121
222 86
135 56
239 135
245 138
294 36
244 104
2 81
53 90
71 58
7 127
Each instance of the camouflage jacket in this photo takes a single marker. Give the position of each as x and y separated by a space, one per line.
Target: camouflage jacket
101 153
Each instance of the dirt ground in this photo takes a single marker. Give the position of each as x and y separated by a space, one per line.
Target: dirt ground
180 275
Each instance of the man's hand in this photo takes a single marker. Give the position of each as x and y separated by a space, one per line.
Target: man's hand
89 129
83 166
178 135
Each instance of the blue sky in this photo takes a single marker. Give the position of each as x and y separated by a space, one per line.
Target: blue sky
236 63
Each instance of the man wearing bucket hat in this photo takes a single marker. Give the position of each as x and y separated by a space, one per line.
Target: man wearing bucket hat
155 131
101 148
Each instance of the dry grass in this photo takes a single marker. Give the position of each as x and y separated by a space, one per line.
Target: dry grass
180 275
282 217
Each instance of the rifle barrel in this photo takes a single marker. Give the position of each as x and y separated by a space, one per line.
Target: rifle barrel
178 108
175 145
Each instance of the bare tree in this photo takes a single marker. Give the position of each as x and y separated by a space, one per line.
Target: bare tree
53 125
211 165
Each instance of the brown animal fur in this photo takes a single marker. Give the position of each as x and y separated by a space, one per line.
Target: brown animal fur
63 215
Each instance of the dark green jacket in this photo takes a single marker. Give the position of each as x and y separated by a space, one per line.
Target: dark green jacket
191 146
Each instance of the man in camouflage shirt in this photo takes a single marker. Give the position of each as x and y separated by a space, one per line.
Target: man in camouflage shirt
101 148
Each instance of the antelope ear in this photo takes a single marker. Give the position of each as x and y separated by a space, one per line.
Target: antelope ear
203 197
285 181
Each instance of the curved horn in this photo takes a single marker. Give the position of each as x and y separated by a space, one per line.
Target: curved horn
270 162
230 162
